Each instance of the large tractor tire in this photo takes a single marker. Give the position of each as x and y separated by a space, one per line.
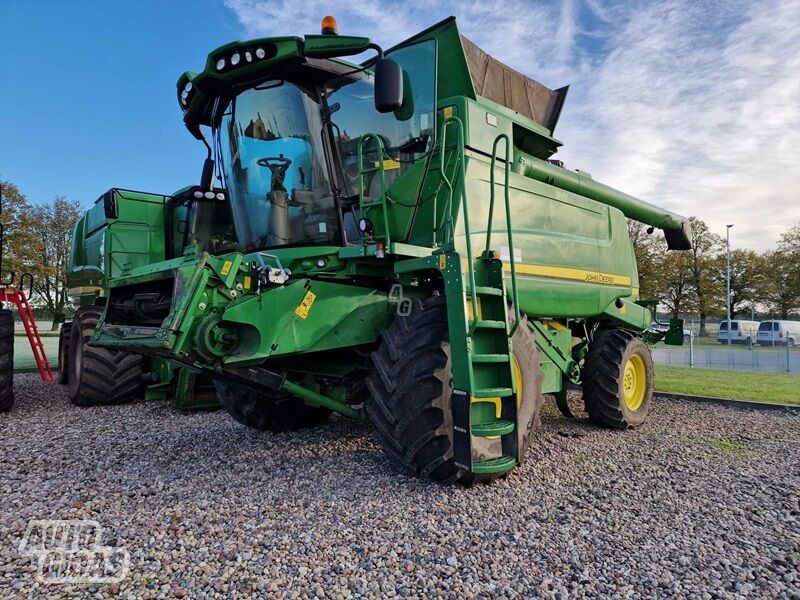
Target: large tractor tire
6 360
411 387
63 352
275 412
99 376
618 379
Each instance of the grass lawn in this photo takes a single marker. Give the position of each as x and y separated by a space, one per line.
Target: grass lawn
23 356
775 388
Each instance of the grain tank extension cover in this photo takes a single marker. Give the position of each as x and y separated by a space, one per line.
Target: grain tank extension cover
502 84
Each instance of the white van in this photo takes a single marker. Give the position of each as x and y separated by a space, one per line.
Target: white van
779 333
741 332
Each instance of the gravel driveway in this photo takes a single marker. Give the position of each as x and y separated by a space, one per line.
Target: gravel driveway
702 501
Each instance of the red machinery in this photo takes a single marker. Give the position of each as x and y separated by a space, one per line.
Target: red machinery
16 296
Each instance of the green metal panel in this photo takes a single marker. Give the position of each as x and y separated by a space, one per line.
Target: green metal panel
269 323
340 316
574 255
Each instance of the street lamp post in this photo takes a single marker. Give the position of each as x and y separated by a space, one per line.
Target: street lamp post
728 278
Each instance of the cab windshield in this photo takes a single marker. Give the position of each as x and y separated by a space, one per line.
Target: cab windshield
273 164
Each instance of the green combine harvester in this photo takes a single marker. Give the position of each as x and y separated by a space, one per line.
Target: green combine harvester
144 229
389 241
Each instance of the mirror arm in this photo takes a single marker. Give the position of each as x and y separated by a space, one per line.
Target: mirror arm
377 49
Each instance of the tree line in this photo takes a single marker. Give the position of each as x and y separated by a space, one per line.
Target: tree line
694 282
37 240
38 237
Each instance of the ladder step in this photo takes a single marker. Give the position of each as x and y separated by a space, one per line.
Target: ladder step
494 465
493 429
485 290
490 324
492 392
490 358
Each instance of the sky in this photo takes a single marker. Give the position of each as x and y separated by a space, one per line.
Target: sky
689 104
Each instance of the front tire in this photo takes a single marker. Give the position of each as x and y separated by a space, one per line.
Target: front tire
411 387
6 360
276 412
618 379
96 375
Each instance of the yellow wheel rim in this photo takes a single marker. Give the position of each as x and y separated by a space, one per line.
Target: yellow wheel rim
516 372
634 382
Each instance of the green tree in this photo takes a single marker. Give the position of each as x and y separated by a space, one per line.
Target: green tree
679 294
650 250
748 280
15 215
790 240
783 275
782 283
52 226
704 263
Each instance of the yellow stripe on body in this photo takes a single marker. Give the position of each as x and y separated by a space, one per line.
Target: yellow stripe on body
571 274
565 273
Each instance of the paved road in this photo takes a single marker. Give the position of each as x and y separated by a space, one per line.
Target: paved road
764 360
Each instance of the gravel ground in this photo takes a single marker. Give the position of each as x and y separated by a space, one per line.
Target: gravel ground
703 501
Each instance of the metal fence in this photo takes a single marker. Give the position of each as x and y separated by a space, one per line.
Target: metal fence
703 353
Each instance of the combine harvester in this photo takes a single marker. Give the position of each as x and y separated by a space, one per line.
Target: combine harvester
389 241
143 229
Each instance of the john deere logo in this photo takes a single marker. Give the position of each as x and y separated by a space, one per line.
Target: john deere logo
599 278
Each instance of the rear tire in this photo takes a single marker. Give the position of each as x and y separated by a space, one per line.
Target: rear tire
63 352
98 376
618 379
276 412
6 360
411 387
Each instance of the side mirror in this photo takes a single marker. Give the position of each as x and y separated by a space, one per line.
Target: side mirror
388 86
110 207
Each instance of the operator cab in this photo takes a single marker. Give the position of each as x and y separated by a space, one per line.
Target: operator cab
286 146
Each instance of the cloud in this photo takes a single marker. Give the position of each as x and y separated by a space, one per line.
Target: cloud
692 105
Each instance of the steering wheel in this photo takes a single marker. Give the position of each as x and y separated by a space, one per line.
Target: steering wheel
273 161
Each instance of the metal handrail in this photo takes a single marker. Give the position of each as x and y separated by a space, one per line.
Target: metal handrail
511 259
461 198
362 172
447 213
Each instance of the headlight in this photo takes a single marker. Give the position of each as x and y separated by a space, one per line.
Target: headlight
220 64
260 53
235 59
